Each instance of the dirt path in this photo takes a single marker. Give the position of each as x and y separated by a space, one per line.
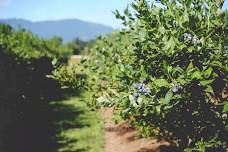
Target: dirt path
121 138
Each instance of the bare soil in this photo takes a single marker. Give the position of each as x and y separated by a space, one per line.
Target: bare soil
122 138
75 59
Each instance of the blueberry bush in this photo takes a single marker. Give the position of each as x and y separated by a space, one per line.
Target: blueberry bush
25 61
166 71
33 106
69 76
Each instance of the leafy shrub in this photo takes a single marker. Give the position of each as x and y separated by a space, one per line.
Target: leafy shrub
26 46
68 76
25 60
166 72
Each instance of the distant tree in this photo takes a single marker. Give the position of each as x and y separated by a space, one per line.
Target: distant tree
59 49
56 40
79 46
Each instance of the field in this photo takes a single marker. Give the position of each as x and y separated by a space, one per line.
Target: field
157 85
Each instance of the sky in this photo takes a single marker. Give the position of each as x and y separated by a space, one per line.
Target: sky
99 11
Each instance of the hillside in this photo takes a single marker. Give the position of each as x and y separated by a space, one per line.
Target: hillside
68 29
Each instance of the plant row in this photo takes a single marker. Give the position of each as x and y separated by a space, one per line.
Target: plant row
166 72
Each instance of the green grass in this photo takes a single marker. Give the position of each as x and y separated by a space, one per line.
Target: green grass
79 128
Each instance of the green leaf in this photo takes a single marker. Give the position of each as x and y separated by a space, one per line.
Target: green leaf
134 103
181 81
169 69
168 96
190 49
54 61
165 65
170 44
185 16
216 63
125 111
167 107
206 82
208 71
190 66
225 107
196 75
161 82
161 29
158 109
102 100
126 11
177 96
126 103
122 68
177 70
140 101
195 113
209 89
188 150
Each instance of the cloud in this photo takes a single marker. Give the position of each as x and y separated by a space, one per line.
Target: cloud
5 3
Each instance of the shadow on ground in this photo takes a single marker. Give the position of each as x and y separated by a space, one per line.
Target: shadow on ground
33 126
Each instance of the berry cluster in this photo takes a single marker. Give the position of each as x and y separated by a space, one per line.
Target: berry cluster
176 88
136 95
141 87
194 39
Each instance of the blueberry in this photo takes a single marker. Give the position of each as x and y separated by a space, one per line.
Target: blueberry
194 40
136 95
148 92
180 87
198 41
189 38
175 89
144 90
185 35
135 85
145 80
141 86
140 90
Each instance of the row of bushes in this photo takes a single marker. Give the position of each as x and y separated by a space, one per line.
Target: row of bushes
25 62
167 72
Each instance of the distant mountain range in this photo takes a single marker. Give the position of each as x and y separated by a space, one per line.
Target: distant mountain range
67 29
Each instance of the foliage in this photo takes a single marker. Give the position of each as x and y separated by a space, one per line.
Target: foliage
107 64
25 60
166 71
79 46
68 76
59 49
26 46
26 92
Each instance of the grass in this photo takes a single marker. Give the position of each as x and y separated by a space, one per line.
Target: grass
80 129
66 124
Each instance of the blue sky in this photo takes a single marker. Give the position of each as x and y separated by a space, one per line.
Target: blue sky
99 11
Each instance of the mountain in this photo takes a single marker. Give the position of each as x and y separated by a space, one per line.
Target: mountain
68 29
